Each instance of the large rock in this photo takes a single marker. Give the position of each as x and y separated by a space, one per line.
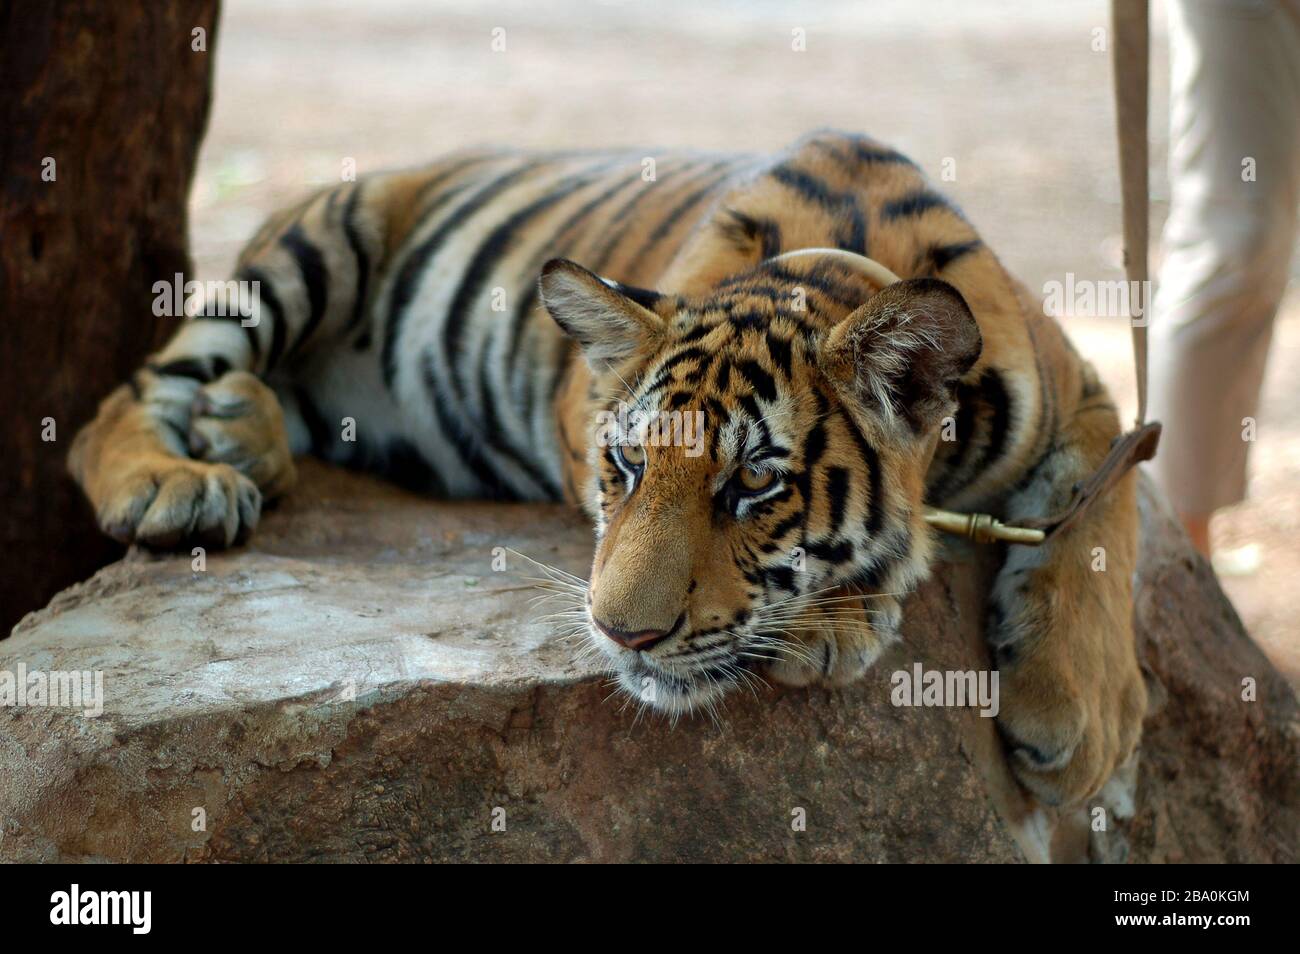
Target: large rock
359 684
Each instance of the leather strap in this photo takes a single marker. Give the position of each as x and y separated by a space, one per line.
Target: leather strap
1126 452
1130 26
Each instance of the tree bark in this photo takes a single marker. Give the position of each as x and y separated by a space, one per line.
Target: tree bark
104 107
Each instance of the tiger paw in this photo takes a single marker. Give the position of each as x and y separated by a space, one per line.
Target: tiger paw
163 502
835 645
237 420
1072 697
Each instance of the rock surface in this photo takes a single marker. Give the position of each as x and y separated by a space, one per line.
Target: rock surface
359 684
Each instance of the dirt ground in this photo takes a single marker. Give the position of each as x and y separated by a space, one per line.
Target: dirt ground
1012 97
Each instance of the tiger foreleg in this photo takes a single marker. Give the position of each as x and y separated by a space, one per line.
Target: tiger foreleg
1072 693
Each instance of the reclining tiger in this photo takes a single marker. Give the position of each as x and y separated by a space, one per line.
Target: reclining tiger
834 408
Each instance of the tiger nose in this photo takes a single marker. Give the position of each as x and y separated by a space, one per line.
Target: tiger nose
637 639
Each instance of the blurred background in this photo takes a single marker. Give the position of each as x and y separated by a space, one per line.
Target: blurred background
1017 96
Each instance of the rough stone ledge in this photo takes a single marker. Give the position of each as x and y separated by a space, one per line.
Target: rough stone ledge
359 685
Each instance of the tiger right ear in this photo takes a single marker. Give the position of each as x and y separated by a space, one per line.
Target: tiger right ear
610 321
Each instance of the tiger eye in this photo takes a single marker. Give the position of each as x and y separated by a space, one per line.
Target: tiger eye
633 454
753 480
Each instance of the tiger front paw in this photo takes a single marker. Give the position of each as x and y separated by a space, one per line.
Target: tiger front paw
132 462
1072 694
164 502
834 644
237 420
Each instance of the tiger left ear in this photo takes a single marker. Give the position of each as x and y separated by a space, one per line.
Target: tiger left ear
610 321
901 354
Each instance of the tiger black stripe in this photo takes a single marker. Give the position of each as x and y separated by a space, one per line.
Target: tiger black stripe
529 301
813 449
779 349
416 265
852 152
683 208
645 297
1046 424
485 262
994 393
743 229
941 256
194 368
763 383
405 466
914 204
783 529
311 266
839 552
436 181
713 412
748 320
837 492
837 203
468 453
361 291
563 367
427 208
781 577
268 300
880 154
624 220
750 407
322 438
875 487
669 367
722 377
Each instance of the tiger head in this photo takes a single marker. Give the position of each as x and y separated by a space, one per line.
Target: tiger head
756 453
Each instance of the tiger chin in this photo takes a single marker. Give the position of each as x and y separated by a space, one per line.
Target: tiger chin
750 658
754 428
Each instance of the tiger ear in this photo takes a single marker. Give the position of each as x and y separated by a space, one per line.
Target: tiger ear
901 354
610 321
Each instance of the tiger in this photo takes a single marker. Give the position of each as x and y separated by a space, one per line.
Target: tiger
507 324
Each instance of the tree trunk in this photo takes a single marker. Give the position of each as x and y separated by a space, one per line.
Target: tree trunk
103 110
